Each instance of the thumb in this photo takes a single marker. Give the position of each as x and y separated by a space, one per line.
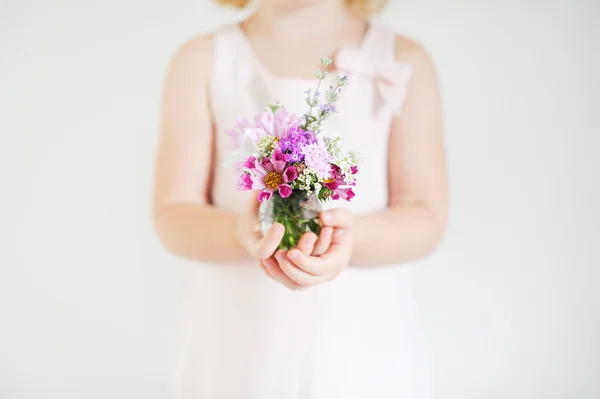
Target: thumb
338 217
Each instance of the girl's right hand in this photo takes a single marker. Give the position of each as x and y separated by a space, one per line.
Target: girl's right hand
248 232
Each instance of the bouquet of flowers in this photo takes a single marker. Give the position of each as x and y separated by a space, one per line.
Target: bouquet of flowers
294 163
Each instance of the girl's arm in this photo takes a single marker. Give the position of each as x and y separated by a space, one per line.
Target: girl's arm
185 221
415 219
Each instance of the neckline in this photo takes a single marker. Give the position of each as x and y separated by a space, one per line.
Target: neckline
237 28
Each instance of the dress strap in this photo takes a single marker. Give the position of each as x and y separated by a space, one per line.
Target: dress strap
375 59
224 57
235 76
378 42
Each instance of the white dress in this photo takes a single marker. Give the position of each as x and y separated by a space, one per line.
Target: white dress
247 337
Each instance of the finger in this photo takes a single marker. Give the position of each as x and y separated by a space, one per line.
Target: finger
313 265
307 242
251 208
252 223
278 275
338 250
297 275
323 242
267 245
328 263
338 217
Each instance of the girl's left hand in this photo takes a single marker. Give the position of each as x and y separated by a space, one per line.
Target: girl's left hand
315 261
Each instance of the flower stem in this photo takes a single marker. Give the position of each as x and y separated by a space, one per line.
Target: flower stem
291 212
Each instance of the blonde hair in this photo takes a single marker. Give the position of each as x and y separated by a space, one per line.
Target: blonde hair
362 8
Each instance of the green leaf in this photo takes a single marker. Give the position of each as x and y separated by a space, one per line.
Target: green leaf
274 107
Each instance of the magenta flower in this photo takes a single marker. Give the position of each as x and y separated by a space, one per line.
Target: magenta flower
250 163
285 191
290 174
343 193
245 182
336 184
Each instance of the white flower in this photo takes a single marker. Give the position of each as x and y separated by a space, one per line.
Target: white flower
266 145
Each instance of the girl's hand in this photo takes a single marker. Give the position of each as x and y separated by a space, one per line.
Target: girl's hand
248 232
315 261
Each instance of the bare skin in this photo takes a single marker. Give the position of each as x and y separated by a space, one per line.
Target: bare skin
190 226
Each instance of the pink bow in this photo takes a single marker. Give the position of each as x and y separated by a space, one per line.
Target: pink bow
391 77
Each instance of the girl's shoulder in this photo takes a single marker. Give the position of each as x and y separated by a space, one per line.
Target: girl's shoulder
193 60
196 49
410 51
383 39
202 50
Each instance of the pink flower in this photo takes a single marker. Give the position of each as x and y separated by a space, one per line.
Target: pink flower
277 123
238 168
237 136
271 174
247 134
279 158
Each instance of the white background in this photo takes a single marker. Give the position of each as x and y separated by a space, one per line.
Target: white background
89 300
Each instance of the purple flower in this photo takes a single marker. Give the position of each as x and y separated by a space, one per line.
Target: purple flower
309 136
328 108
293 158
293 143
286 143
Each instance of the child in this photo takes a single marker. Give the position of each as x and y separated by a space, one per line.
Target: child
334 317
